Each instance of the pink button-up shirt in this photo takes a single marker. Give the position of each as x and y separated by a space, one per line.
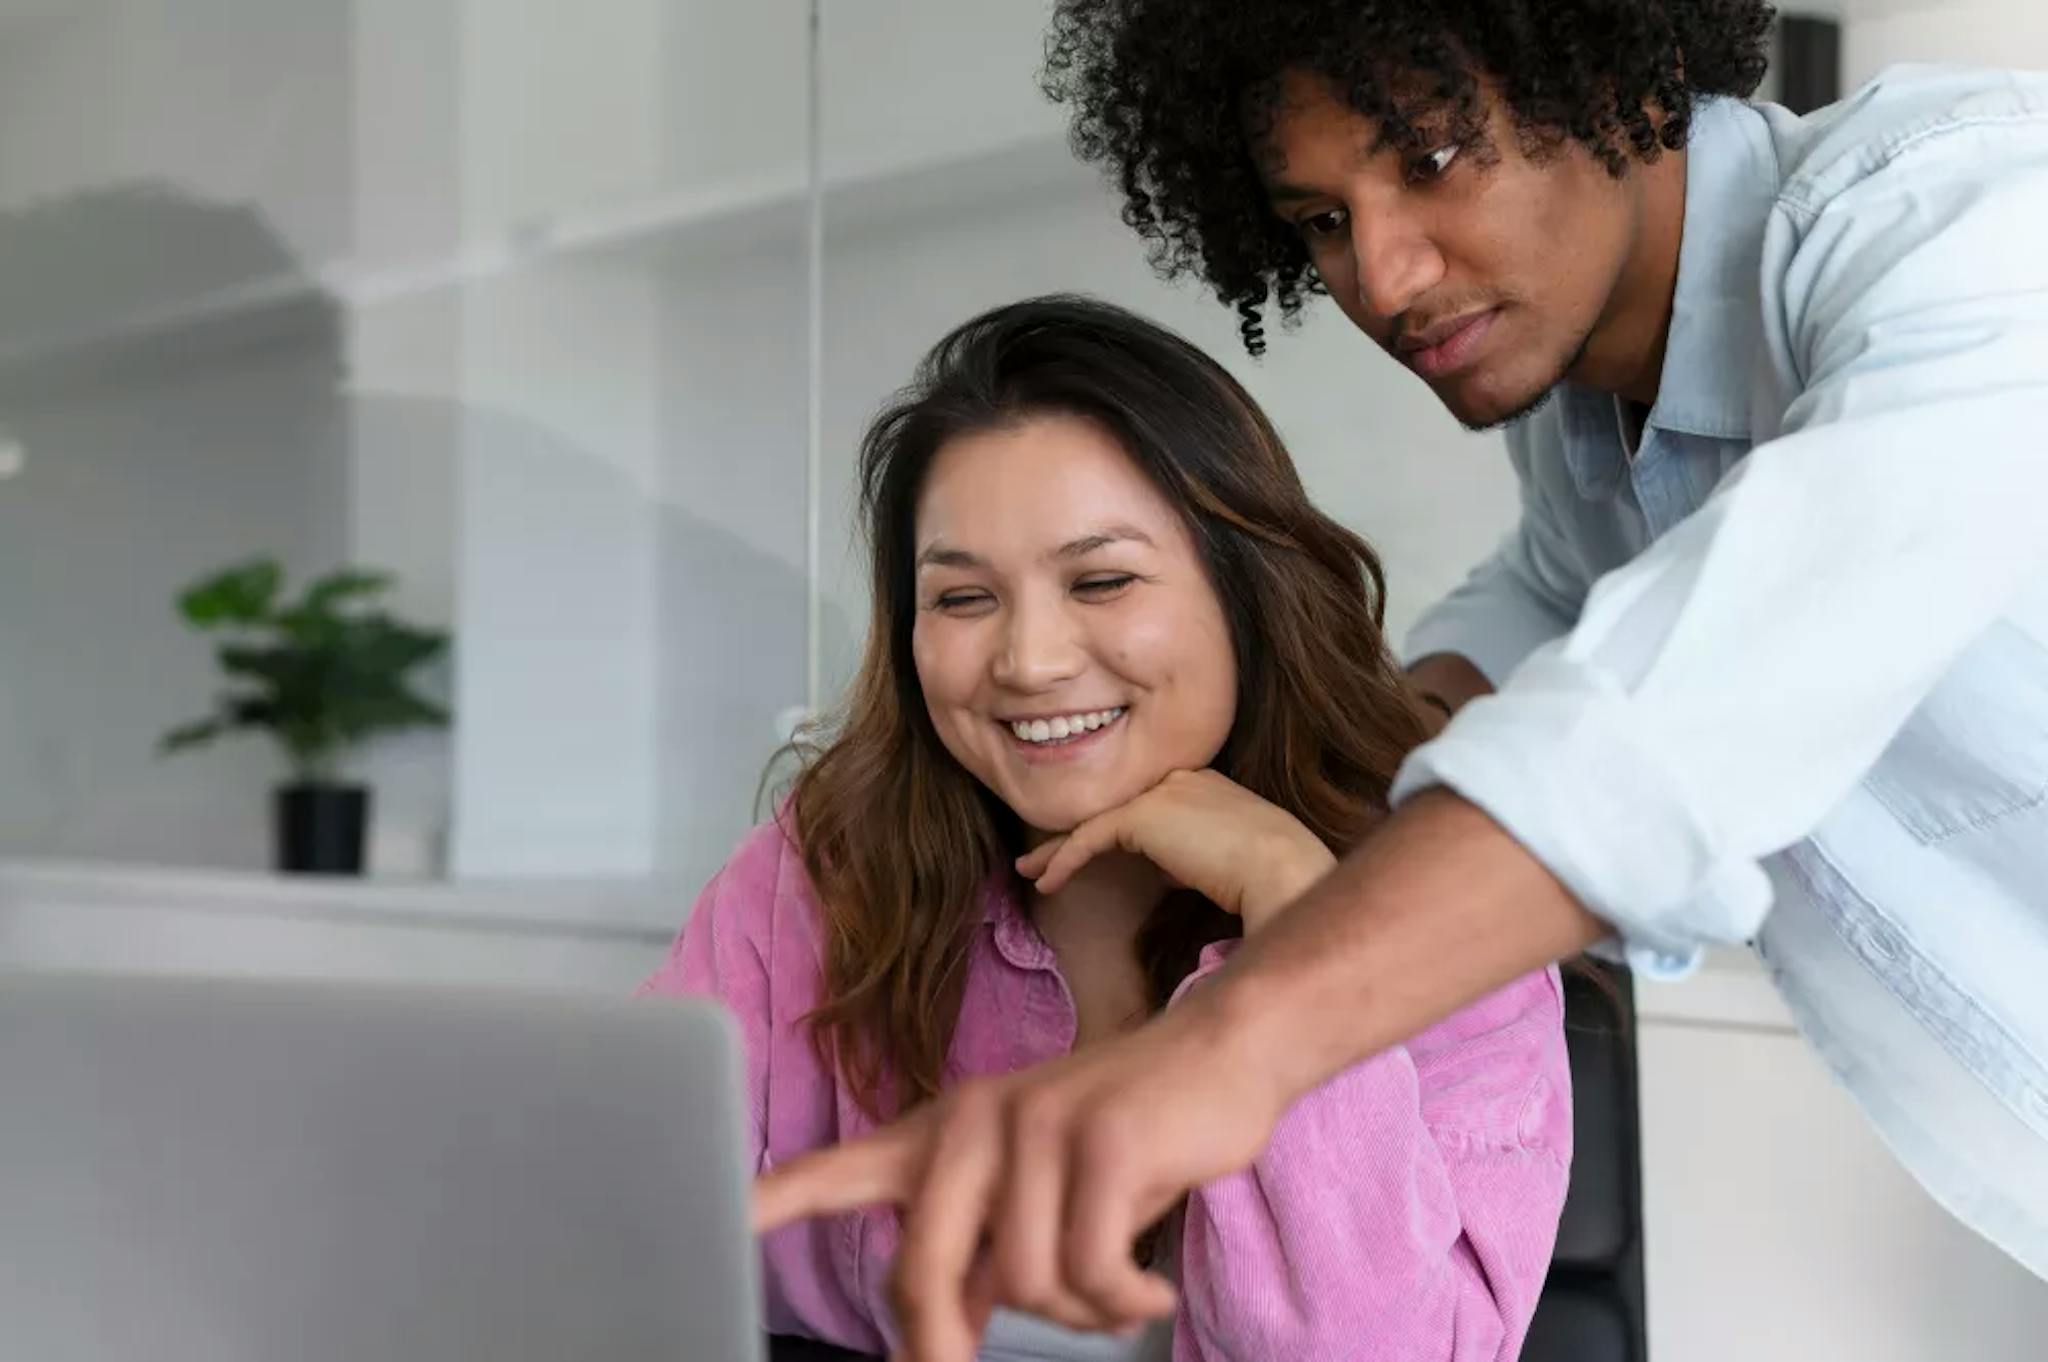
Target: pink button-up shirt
1404 1210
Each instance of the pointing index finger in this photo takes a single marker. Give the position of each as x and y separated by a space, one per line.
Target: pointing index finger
880 1169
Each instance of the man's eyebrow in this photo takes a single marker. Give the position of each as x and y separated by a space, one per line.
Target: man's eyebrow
1281 192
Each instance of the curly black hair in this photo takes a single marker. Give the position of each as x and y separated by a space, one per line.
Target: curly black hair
1171 96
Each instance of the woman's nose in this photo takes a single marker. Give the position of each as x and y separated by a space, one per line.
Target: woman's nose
1040 647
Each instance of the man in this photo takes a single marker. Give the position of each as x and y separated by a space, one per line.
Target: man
1770 640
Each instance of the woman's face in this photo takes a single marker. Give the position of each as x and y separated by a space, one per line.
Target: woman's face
1069 645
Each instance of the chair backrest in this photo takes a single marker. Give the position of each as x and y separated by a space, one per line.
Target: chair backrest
1592 1304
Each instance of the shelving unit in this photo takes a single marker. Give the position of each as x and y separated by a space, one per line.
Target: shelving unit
662 231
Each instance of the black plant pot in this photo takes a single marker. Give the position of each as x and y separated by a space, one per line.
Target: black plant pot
320 828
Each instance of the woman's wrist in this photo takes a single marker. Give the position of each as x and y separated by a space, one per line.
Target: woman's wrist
1295 871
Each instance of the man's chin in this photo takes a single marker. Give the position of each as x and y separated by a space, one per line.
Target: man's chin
1482 422
1480 412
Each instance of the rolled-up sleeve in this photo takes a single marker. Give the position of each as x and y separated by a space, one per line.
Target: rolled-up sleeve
1525 594
1721 693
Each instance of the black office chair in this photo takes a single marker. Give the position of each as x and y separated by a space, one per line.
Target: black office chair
1592 1304
786 1348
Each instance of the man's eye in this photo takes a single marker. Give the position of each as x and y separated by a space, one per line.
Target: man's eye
1325 224
1433 165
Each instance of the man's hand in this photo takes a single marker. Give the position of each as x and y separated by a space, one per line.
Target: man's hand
1451 679
1031 1189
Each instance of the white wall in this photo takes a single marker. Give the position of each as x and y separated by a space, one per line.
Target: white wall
127 494
1879 33
232 100
730 535
633 592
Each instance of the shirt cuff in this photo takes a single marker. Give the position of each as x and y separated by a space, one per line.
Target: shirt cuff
1562 760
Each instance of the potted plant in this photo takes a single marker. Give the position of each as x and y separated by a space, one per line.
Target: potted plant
321 675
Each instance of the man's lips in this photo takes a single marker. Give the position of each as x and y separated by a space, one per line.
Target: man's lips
1444 347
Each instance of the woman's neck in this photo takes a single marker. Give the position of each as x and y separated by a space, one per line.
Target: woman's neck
1092 925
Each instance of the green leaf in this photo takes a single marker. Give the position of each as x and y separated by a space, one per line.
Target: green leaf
239 595
323 595
272 664
377 646
250 711
389 710
198 733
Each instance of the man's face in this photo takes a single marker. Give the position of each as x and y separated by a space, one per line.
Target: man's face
1486 273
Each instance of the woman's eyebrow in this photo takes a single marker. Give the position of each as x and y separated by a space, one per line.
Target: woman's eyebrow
1100 539
938 553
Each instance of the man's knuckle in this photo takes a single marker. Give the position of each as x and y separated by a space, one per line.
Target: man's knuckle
1107 1138
1037 1114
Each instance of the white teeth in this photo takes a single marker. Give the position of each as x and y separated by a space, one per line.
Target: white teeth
1066 726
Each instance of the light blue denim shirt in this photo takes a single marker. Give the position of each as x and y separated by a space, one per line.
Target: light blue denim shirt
1782 675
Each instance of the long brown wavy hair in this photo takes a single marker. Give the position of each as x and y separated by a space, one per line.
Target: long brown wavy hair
900 841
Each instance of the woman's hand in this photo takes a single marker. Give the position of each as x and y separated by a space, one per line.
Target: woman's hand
1206 832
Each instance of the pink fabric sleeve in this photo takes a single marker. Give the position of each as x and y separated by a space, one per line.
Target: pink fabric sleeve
748 943
1406 1209
721 953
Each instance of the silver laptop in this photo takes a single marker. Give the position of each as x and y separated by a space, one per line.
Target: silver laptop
211 1171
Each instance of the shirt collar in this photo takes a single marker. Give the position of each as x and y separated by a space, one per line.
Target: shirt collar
1017 939
1731 181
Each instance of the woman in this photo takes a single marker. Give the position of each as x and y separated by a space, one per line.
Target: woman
1101 600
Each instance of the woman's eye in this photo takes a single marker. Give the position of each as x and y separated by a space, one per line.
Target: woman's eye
1100 588
1433 165
962 602
1325 224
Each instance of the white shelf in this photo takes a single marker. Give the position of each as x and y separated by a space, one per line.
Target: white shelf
637 910
661 231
